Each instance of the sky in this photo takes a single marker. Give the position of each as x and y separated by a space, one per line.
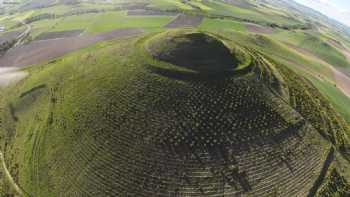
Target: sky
336 9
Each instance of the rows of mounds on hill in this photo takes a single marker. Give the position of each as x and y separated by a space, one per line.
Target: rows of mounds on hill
203 116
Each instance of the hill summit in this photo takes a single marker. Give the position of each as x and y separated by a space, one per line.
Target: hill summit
194 50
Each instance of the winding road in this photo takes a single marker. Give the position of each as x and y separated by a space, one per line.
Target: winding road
10 179
21 38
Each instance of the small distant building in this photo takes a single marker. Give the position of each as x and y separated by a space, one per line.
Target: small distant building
2 28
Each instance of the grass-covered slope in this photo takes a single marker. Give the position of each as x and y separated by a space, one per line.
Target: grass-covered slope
115 120
325 51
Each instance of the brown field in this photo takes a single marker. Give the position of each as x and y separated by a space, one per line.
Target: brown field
339 76
343 81
9 36
59 34
150 13
183 20
39 51
37 4
258 29
344 51
325 71
336 44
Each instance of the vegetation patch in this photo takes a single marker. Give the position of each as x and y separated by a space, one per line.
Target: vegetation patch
334 185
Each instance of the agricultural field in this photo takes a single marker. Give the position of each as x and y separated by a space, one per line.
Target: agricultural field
173 98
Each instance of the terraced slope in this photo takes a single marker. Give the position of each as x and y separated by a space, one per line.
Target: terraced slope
132 119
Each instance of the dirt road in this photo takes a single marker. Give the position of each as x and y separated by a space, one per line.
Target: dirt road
10 179
21 38
10 75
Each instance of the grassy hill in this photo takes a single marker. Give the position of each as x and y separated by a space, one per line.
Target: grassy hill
239 99
124 121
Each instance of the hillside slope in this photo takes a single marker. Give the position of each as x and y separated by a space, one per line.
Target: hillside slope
124 122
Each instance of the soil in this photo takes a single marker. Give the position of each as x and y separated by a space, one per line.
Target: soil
59 34
343 81
44 50
150 13
183 20
9 36
37 4
258 29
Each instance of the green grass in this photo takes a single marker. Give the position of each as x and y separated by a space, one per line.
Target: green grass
220 24
252 13
87 5
40 146
169 5
101 22
324 51
121 20
69 115
335 96
53 127
228 10
43 26
200 5
77 112
277 50
57 9
315 44
10 21
291 37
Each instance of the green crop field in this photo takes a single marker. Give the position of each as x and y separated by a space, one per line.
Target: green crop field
338 99
169 5
221 24
111 20
93 23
